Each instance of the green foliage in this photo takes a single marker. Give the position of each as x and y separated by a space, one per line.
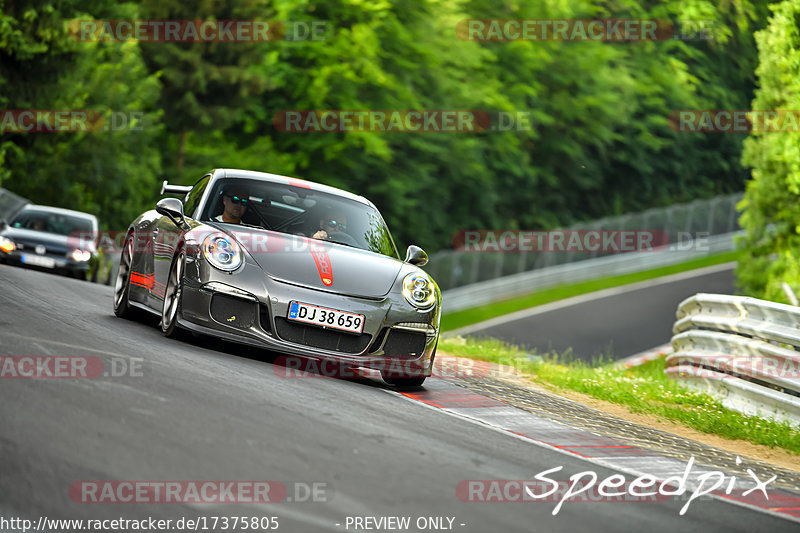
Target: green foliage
771 205
110 172
204 84
599 146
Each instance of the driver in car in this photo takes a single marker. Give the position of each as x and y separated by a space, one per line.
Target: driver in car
333 228
234 198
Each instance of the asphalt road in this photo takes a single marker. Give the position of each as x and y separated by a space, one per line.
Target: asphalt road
614 326
201 410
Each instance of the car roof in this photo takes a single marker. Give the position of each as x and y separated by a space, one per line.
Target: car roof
59 210
296 182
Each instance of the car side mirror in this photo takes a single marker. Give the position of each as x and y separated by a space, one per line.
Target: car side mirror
172 208
416 256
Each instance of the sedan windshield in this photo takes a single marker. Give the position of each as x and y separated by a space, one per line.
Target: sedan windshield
51 222
299 211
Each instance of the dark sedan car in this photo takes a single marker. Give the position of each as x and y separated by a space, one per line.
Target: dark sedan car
49 238
290 265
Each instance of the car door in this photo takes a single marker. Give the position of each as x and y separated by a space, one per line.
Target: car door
166 237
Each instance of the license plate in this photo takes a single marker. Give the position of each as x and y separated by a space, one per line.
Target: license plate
35 260
326 318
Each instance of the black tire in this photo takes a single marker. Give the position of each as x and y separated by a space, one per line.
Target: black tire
409 382
122 287
172 297
404 383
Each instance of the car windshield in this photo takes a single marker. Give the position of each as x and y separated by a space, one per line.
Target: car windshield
304 212
51 222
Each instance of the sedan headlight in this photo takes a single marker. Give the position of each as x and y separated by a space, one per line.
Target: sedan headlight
222 252
7 245
80 255
419 290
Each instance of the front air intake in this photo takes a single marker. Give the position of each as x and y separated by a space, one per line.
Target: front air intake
233 311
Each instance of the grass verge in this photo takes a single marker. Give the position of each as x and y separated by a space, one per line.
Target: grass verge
477 314
643 389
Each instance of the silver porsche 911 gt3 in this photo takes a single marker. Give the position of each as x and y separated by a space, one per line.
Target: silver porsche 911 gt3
293 266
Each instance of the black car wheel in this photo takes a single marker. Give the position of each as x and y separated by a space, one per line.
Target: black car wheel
172 297
122 286
403 383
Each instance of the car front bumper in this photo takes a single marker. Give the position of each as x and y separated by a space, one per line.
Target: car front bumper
251 308
46 262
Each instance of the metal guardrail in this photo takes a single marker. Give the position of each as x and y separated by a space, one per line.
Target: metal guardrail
744 351
713 216
524 283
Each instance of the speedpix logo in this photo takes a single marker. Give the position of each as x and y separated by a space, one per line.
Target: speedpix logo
587 486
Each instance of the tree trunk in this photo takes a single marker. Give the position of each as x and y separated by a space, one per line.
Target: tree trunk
181 150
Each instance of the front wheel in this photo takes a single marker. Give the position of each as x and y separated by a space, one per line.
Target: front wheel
122 287
172 297
403 383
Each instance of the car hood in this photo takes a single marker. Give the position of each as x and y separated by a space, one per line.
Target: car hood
319 264
52 241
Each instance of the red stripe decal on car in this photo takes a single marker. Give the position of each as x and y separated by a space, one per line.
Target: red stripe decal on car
294 182
148 282
144 280
324 266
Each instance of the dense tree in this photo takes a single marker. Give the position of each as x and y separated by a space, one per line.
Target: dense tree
772 201
111 171
599 143
205 85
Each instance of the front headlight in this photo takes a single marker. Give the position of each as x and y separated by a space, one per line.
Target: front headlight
419 290
222 252
7 245
80 255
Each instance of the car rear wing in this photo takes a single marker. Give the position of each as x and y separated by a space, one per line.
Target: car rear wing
166 188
